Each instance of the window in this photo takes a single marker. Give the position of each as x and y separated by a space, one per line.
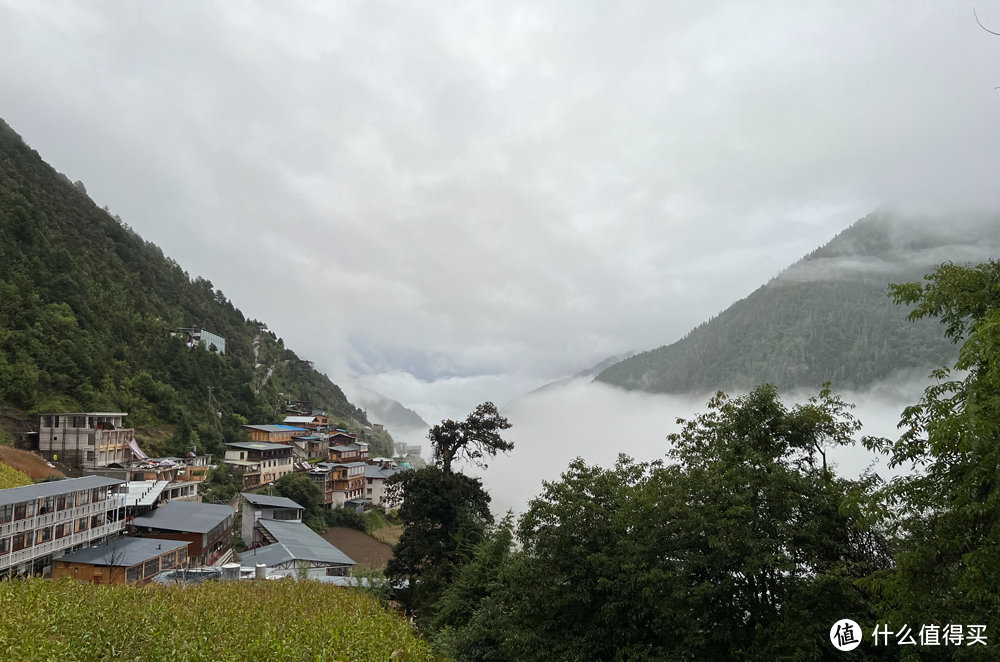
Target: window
84 498
134 574
90 456
63 530
151 567
4 546
97 521
168 560
6 513
22 540
47 504
81 524
20 511
43 535
182 555
95 495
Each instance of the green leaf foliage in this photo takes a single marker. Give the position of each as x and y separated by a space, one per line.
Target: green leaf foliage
745 547
948 504
88 310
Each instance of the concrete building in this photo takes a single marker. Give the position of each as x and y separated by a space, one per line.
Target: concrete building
40 523
87 440
262 506
375 477
210 341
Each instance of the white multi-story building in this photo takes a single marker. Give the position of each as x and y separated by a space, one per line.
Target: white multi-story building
39 523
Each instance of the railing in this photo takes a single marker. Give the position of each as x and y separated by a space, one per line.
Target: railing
32 523
42 549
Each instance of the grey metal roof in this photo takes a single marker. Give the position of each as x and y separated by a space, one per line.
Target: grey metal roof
270 501
276 428
54 488
186 516
296 542
124 551
257 445
375 471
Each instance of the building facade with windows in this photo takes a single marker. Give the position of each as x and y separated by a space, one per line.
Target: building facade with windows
40 523
87 440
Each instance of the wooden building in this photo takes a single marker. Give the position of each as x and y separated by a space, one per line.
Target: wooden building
122 560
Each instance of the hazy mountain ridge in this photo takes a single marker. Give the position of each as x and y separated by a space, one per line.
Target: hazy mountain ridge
88 310
826 317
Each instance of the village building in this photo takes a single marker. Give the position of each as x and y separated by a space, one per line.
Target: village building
206 526
259 462
339 481
122 560
274 434
204 338
262 506
39 523
309 422
294 547
375 477
87 440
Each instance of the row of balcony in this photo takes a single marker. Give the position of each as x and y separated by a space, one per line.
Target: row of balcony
69 514
46 548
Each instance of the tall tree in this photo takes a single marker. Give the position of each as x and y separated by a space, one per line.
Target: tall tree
745 547
472 439
445 513
949 504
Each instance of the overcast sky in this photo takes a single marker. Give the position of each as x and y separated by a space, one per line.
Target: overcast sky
462 201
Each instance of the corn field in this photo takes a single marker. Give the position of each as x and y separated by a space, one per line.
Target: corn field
260 620
11 477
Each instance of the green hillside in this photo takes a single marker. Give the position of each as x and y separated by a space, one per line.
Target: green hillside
87 313
827 317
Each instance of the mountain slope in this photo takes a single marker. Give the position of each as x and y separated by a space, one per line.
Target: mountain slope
827 317
88 313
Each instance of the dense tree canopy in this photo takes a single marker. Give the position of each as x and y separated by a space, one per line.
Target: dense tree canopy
744 547
88 313
949 502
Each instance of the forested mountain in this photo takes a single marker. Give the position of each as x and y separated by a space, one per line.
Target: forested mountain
827 317
89 313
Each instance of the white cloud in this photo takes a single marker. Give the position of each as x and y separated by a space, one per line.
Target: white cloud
506 193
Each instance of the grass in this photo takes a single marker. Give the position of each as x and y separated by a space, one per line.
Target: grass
11 477
35 467
266 620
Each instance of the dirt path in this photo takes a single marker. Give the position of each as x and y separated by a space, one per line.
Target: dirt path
361 547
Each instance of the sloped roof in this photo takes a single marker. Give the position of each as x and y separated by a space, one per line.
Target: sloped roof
270 501
296 542
257 445
186 516
124 551
299 419
54 488
276 428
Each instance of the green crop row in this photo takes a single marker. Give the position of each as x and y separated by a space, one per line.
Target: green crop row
11 477
272 620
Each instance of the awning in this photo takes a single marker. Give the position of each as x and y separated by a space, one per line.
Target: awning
136 451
